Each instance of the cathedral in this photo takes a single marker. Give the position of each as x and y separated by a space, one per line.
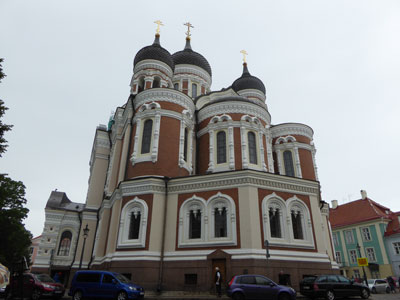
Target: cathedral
185 179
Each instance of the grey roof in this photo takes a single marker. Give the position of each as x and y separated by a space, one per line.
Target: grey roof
189 57
59 200
155 52
247 81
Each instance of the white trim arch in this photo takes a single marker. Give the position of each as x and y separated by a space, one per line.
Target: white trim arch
134 206
297 206
207 211
276 203
186 123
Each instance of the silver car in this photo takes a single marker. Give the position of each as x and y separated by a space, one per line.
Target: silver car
378 286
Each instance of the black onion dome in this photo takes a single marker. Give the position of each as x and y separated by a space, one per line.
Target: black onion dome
247 81
155 52
189 57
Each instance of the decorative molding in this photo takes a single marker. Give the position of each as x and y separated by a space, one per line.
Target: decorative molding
149 65
165 95
191 69
292 129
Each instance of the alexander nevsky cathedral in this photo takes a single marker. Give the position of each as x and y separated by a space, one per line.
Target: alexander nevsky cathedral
185 179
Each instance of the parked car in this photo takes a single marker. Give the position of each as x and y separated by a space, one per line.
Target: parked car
378 286
34 286
332 287
258 287
103 284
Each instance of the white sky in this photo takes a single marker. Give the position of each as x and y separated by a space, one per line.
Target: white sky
333 65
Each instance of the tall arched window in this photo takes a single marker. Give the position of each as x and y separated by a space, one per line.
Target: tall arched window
194 90
275 222
176 86
252 147
134 226
297 224
185 145
146 138
195 224
221 147
220 222
288 162
65 243
156 82
141 84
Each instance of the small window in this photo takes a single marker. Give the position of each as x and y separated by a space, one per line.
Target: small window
338 255
252 147
396 247
221 147
185 145
353 256
141 84
288 162
349 237
366 234
371 254
156 82
176 86
190 279
146 139
194 90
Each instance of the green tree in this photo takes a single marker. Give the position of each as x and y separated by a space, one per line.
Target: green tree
14 238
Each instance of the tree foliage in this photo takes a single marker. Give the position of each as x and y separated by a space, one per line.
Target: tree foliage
14 238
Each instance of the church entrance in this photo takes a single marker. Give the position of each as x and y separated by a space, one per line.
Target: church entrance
221 264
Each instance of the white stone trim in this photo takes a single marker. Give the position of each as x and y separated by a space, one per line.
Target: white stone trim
292 129
164 95
186 122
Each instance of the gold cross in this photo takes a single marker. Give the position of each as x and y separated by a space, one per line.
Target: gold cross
159 23
188 26
244 55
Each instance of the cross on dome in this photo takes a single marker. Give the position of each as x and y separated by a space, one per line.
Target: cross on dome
244 55
188 31
159 23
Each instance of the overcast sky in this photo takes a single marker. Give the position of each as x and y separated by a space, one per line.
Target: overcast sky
333 65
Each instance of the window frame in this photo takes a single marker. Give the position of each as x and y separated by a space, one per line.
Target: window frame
338 256
286 163
222 146
353 258
366 234
67 251
349 236
370 253
396 248
252 148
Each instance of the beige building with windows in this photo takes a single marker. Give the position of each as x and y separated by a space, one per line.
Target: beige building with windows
185 179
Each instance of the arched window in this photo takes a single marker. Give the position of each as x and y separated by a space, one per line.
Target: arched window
134 226
220 222
65 243
195 224
185 145
297 224
194 90
146 138
156 82
221 147
252 147
275 222
288 162
141 84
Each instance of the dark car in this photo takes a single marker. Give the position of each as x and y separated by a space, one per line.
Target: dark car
34 286
258 287
103 284
332 287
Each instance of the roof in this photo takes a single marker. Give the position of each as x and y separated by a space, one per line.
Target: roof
358 211
59 200
394 226
248 81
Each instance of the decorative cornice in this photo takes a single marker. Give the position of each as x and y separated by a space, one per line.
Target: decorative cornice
293 145
143 186
153 64
292 129
191 69
166 95
252 93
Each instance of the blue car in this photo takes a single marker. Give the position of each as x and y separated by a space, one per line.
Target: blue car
258 287
103 284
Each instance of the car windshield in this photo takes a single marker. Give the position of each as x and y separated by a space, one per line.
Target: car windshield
122 278
44 278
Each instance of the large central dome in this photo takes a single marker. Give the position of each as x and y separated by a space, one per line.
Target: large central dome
155 52
189 57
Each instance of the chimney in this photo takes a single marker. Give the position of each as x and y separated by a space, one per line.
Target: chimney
363 194
334 204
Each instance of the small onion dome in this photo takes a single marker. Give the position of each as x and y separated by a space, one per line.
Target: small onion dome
189 57
155 52
247 81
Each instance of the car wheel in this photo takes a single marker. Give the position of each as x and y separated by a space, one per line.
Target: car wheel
238 296
373 291
284 296
122 296
330 295
364 294
77 295
36 294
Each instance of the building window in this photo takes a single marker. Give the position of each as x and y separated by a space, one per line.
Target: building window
396 247
176 86
252 147
297 225
348 234
220 222
195 224
335 239
275 222
133 224
365 234
146 139
194 90
353 256
288 162
141 84
134 227
156 82
357 273
65 243
185 145
338 257
221 147
371 254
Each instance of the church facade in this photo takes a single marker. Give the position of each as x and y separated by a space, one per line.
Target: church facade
185 179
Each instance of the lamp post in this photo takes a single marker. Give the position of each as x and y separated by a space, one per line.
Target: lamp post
359 254
85 235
